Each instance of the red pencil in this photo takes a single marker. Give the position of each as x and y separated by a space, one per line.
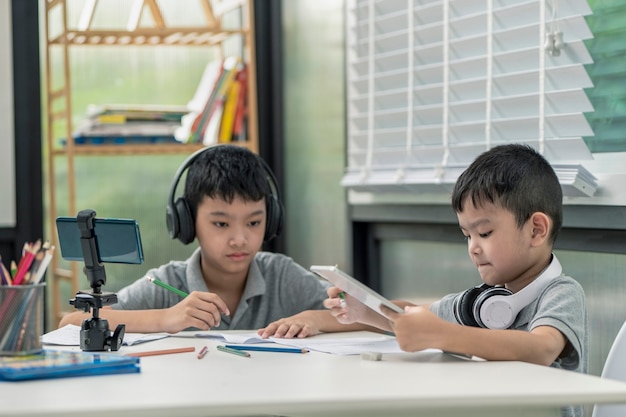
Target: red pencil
25 263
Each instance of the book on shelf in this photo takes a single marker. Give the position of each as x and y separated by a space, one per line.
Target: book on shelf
217 110
214 110
217 113
202 101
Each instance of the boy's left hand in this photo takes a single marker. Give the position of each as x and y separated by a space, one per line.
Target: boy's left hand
299 325
417 329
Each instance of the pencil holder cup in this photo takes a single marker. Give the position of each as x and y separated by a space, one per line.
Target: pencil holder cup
21 319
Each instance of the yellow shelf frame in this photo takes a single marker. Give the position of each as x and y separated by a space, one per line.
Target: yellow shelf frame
212 34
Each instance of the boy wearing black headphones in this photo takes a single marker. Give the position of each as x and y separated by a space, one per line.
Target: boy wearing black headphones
231 206
509 207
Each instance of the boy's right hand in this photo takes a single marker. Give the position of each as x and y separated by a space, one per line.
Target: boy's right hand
202 310
347 311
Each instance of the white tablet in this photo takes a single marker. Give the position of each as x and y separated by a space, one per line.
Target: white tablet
355 288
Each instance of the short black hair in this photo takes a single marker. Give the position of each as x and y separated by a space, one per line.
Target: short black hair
226 172
515 177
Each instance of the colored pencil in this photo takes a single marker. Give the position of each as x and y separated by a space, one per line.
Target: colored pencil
4 274
161 352
203 352
23 267
233 351
167 287
43 266
39 256
13 269
268 349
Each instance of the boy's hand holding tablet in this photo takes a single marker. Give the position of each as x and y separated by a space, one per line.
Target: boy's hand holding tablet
359 302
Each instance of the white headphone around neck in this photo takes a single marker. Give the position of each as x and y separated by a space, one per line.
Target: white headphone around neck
497 307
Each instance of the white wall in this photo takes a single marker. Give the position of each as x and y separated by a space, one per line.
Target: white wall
7 140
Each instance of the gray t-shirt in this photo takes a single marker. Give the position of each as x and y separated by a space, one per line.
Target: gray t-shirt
560 305
276 287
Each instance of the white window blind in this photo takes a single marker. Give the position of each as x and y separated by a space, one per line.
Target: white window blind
433 83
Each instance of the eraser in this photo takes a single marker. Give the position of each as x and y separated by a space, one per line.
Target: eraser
371 356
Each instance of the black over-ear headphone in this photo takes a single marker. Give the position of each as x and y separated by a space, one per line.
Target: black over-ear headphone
497 307
180 221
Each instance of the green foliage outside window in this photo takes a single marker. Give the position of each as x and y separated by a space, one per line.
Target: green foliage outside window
608 73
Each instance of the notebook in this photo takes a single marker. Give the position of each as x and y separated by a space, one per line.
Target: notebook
355 288
61 364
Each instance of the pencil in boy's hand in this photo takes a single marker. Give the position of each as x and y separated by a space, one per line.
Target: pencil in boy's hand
342 298
167 287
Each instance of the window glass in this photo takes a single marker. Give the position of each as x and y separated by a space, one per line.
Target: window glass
608 95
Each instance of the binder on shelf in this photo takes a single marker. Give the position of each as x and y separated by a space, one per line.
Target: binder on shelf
238 133
228 116
63 364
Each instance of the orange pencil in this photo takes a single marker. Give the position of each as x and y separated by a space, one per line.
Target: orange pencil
162 352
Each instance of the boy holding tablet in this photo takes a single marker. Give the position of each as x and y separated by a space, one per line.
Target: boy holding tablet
509 207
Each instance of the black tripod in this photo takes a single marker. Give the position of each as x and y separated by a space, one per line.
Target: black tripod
94 334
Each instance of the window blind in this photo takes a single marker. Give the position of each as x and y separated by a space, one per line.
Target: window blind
431 84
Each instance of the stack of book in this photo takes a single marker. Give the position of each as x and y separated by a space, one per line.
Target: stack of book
129 124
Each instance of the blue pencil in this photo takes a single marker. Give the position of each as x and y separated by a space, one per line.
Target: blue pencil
268 349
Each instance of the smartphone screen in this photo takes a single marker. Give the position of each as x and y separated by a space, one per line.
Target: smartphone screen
117 240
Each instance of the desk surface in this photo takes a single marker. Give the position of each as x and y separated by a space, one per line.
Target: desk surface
221 384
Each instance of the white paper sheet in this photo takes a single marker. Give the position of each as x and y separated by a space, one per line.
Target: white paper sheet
348 343
69 335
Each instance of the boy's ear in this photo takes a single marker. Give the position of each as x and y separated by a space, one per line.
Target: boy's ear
541 224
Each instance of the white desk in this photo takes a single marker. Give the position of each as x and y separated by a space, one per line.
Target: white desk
285 384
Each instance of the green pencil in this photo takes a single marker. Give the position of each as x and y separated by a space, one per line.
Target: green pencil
168 287
233 351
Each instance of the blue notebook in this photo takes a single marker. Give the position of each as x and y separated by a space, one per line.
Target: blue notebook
62 364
